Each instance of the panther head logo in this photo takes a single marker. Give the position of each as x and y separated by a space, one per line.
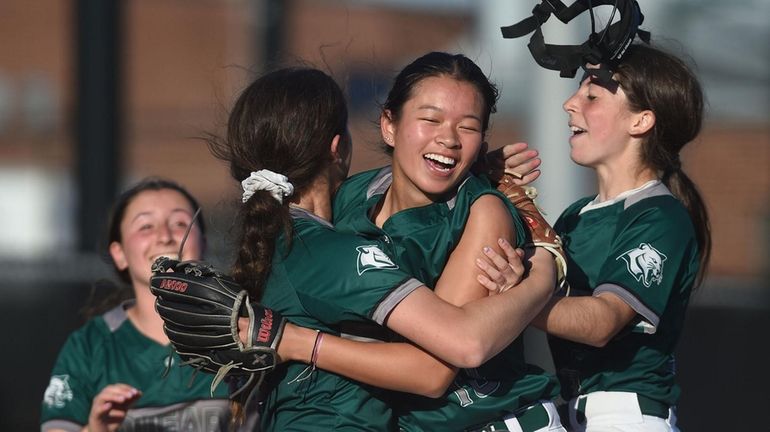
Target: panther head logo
58 392
372 257
645 264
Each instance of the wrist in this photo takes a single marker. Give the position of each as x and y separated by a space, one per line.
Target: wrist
297 343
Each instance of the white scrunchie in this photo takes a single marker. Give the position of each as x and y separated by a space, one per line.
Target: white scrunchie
277 184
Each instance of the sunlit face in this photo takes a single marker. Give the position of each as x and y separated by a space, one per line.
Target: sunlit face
599 120
153 225
437 137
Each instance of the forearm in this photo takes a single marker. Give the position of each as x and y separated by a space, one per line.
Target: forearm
393 366
590 320
469 335
517 308
375 363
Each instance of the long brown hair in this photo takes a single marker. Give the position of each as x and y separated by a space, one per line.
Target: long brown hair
283 122
659 81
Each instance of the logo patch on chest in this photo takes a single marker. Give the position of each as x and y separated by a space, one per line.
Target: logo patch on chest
372 257
645 264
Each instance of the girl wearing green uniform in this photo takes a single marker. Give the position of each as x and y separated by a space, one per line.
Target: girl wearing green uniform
291 257
635 251
432 218
110 372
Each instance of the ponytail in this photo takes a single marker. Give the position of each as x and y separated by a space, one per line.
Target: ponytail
267 219
685 190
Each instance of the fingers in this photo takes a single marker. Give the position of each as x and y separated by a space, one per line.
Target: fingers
520 161
509 150
490 277
500 273
109 407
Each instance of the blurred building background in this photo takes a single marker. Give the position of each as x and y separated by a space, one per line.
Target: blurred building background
95 95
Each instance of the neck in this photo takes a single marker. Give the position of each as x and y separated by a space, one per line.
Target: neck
614 180
401 195
318 199
145 318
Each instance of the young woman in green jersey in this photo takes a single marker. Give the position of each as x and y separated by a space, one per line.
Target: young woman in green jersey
110 372
438 216
287 142
636 250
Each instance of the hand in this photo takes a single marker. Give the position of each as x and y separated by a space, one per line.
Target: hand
109 407
516 159
504 272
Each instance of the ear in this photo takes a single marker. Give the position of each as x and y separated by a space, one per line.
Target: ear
642 122
118 256
335 149
388 128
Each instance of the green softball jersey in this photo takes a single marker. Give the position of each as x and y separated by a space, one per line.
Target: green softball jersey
329 281
108 349
420 240
641 247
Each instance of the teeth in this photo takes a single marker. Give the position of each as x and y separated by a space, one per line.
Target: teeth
441 159
172 255
576 129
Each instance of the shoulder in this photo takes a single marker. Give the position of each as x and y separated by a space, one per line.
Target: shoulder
93 330
363 180
490 207
576 206
658 207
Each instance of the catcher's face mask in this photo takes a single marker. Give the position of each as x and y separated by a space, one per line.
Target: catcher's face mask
604 48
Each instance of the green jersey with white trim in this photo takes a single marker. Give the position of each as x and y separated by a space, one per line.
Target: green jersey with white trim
422 239
108 349
329 281
641 247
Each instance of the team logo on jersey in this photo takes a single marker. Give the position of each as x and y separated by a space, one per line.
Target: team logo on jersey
58 392
645 264
372 257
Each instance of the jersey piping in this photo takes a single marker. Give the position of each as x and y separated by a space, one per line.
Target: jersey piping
382 310
631 300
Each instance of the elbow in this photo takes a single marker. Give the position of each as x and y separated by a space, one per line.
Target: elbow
438 386
597 342
472 353
600 338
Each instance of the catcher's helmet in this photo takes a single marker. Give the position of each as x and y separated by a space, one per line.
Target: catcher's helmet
604 48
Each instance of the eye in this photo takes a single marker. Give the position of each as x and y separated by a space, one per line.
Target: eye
145 227
429 119
180 224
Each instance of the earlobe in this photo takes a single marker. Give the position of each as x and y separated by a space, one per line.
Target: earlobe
118 256
387 128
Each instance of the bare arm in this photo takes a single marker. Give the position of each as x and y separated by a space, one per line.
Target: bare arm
470 335
589 320
483 327
384 365
393 366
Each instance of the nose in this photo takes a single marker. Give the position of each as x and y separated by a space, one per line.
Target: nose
164 234
448 138
569 104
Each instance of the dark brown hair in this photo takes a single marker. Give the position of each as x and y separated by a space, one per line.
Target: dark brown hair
283 122
436 64
655 80
98 303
